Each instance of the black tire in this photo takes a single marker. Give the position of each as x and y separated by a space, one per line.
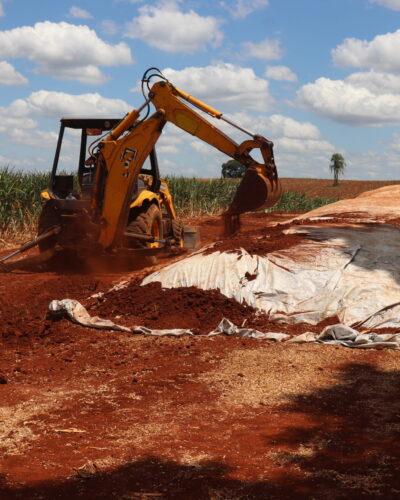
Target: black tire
177 232
48 218
147 222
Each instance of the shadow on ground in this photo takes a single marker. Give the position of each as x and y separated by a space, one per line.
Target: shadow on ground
155 478
350 449
346 447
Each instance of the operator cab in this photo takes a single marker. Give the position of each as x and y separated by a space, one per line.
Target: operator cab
79 185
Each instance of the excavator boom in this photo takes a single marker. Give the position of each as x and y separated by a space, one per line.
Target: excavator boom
260 187
125 149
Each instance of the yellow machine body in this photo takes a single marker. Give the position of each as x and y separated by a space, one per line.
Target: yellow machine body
111 208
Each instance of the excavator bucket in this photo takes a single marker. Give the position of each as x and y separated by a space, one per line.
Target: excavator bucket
260 188
255 192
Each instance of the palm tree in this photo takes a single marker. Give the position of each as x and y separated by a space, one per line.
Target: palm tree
337 167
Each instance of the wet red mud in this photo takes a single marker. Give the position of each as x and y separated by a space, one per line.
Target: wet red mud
100 415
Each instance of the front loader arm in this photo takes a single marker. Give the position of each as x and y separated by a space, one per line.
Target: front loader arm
118 166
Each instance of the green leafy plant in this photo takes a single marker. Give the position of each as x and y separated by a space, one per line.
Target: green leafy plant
337 166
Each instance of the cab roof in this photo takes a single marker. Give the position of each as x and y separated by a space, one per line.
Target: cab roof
82 123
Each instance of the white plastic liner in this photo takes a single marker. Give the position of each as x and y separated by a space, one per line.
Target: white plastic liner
351 272
335 334
77 313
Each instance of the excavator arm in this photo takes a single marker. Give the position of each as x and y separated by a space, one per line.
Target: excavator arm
260 187
123 152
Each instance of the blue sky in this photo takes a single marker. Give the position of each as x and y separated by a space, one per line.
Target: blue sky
314 76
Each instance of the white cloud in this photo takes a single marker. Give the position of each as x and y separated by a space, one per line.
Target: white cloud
304 146
177 168
389 4
349 102
172 135
109 27
362 98
284 126
1 9
64 50
167 28
280 73
202 147
35 138
242 8
376 82
272 126
87 74
382 53
44 103
16 120
299 148
9 75
223 83
167 149
20 164
8 122
79 13
266 49
373 165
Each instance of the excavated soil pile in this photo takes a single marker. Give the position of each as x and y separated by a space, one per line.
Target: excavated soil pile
260 241
186 307
27 316
173 308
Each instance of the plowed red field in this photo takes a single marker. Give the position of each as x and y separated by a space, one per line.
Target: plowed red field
323 188
110 415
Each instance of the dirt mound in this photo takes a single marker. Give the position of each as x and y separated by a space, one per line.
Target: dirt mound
174 308
26 316
380 204
260 241
186 307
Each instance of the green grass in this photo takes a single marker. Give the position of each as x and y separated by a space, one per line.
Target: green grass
20 202
20 199
210 196
194 197
296 202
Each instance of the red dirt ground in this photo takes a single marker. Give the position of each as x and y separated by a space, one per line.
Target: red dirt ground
323 188
100 415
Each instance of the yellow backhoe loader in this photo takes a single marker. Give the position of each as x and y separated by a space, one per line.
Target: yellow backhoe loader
118 200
